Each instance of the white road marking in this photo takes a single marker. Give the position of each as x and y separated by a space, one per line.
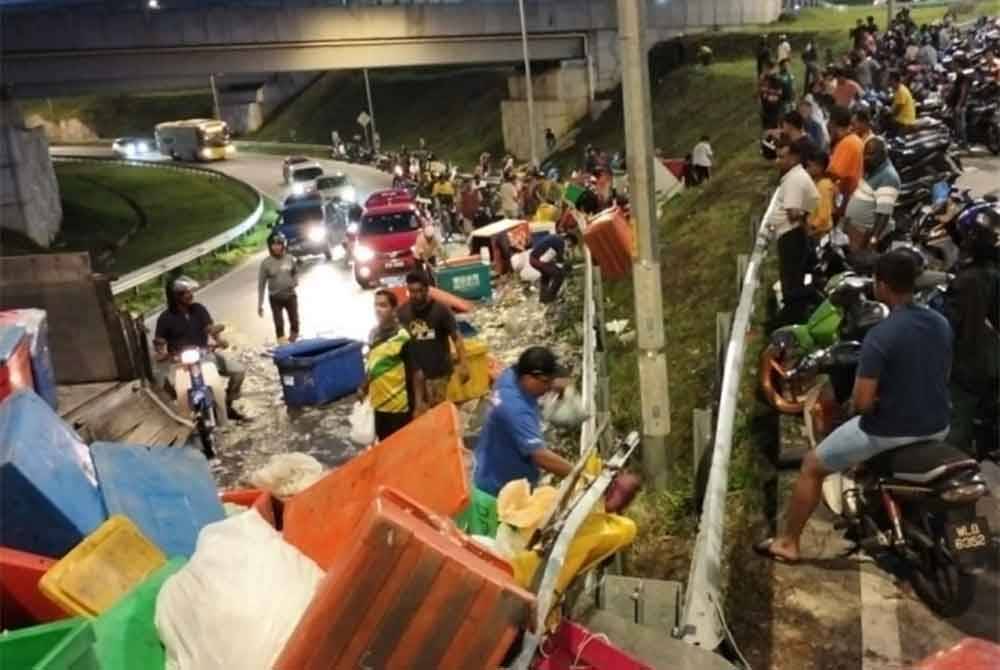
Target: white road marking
881 648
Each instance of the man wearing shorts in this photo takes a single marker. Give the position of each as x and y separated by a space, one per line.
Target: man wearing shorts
900 396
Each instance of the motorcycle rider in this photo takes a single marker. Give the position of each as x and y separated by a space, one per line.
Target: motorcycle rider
443 194
427 249
972 305
900 396
279 274
187 324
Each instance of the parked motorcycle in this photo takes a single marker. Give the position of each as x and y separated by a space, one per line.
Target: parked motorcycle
198 385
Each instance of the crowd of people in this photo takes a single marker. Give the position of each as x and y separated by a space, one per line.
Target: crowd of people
919 364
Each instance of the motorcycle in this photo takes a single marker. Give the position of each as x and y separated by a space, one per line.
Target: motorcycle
198 384
915 506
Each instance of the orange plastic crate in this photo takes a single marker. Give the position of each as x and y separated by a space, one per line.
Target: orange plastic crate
411 592
611 242
423 461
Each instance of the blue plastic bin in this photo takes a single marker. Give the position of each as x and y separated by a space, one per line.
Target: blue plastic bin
35 322
318 371
49 498
467 329
168 492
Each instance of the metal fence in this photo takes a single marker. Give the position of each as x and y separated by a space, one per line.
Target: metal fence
702 621
164 265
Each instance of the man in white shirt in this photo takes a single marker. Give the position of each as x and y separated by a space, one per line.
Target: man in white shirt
509 204
701 161
784 49
796 198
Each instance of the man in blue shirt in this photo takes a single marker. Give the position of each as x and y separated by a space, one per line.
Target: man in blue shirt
548 257
510 446
900 394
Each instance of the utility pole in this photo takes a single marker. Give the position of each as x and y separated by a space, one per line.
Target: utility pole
215 97
890 9
646 270
371 109
528 89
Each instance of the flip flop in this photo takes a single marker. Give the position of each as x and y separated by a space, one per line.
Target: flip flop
763 548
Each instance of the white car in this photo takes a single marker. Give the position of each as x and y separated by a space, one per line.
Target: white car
302 177
133 147
336 187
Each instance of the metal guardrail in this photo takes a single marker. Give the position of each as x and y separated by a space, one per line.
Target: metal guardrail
153 270
701 621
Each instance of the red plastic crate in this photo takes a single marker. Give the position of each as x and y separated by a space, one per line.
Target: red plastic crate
15 361
611 242
412 592
972 653
21 603
573 646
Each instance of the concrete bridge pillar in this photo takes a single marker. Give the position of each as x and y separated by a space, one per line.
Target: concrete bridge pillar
246 106
29 193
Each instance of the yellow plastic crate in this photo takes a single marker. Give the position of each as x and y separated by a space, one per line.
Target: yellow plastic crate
477 356
101 569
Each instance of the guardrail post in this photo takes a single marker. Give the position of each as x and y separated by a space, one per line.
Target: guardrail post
603 390
723 328
754 225
701 430
742 261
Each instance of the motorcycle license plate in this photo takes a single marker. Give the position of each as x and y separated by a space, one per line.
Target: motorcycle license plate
970 540
394 264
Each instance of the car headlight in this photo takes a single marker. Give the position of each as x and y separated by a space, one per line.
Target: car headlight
363 254
316 234
352 229
349 194
298 188
206 153
142 147
190 356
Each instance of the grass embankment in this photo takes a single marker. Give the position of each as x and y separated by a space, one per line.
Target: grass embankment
456 111
118 115
150 212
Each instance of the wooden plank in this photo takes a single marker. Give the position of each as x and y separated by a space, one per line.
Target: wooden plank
45 268
74 396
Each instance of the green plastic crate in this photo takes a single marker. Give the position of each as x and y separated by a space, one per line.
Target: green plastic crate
480 517
126 633
62 645
471 281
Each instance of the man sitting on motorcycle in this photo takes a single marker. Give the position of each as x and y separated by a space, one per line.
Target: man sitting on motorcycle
900 396
427 250
186 324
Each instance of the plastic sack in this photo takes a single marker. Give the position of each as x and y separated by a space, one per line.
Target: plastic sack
362 424
284 475
237 601
530 274
520 260
564 410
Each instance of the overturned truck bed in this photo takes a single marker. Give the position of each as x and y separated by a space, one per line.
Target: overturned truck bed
99 354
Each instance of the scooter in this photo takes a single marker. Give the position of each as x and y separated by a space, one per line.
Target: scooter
198 384
914 506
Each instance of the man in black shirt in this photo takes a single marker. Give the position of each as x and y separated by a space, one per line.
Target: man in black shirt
186 324
433 330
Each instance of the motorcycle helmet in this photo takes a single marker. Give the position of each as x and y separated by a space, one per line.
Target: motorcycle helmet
277 237
868 314
183 284
844 289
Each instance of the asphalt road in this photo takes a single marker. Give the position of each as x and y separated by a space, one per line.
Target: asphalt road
330 301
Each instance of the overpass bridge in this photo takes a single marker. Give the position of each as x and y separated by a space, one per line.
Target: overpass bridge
55 48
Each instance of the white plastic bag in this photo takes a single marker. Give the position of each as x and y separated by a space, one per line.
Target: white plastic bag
285 475
520 260
362 424
238 600
564 410
530 274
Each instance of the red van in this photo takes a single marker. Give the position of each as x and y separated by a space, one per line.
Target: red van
383 246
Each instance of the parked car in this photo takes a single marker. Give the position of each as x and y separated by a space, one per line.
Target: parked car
286 166
383 245
133 147
310 228
336 186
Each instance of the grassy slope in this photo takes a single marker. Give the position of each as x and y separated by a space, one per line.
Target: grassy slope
408 105
102 203
113 116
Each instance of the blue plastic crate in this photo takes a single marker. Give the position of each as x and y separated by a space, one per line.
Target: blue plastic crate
318 371
49 498
168 492
35 322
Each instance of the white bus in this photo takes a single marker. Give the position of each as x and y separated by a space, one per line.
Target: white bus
194 140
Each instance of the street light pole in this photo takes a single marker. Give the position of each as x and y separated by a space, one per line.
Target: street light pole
528 89
215 97
371 109
646 271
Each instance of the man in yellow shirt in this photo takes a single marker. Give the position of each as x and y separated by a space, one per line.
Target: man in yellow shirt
821 218
904 110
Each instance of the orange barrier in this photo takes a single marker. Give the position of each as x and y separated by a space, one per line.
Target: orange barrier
970 654
423 461
611 242
21 602
457 304
411 592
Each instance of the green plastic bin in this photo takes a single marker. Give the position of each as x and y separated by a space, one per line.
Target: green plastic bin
62 645
572 193
126 633
480 517
470 281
